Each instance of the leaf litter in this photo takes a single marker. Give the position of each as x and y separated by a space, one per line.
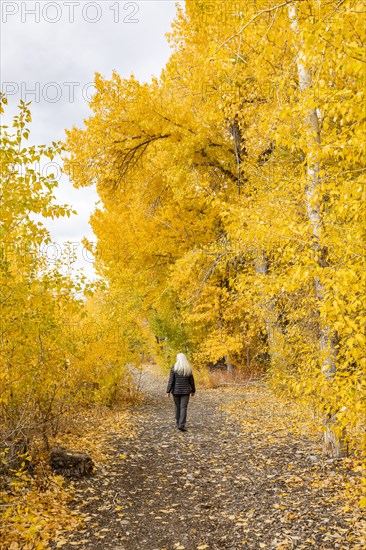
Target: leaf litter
248 473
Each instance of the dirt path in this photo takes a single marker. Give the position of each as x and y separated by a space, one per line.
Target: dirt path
215 486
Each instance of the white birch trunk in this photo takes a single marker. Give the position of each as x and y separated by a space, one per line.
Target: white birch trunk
332 445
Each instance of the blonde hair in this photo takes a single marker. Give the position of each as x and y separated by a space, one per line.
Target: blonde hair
182 365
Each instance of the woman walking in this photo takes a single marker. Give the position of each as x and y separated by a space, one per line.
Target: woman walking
181 386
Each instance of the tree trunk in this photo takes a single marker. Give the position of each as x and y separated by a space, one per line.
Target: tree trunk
333 446
274 333
229 365
240 150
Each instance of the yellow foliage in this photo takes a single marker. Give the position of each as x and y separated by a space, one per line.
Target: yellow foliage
55 354
232 189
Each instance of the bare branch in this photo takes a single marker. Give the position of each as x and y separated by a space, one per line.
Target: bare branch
249 22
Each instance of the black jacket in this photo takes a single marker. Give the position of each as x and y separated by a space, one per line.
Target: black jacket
180 385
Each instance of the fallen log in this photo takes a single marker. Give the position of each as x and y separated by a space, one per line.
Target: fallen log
71 463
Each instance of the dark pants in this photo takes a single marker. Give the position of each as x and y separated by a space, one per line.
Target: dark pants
181 404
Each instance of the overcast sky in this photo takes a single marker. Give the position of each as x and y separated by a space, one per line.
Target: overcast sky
50 52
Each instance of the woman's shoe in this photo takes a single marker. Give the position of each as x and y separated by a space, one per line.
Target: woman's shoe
182 429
